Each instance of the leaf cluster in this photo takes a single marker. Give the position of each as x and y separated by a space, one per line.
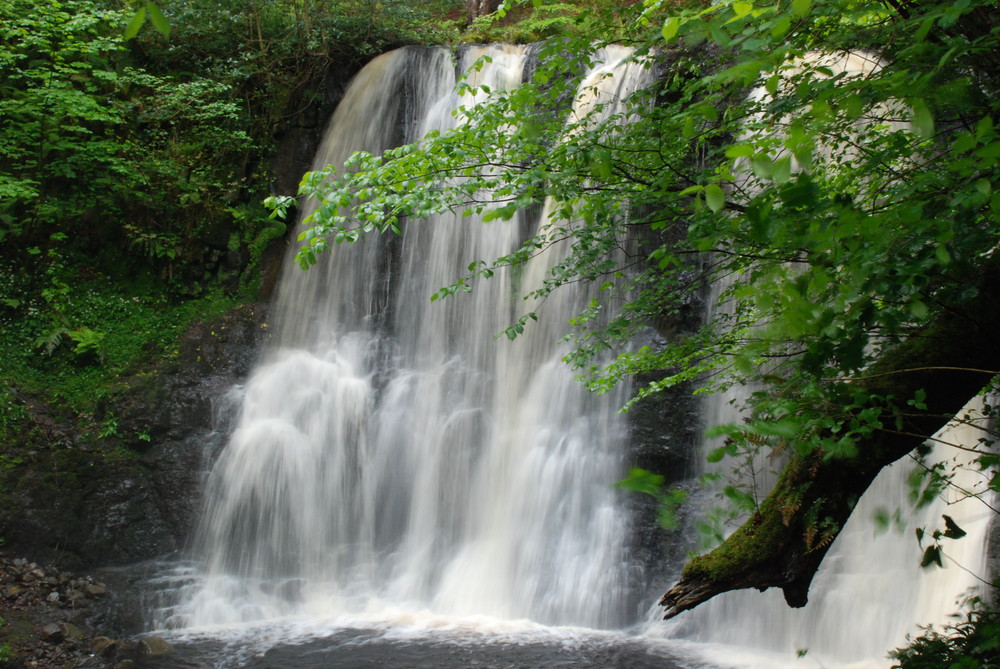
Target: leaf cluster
972 643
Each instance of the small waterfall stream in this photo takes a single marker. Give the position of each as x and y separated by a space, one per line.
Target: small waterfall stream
394 462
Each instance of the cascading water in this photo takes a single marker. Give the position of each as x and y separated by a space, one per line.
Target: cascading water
392 451
392 457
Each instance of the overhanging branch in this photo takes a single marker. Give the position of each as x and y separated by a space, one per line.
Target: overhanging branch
784 542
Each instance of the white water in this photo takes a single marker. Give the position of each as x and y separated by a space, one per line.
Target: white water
392 453
396 464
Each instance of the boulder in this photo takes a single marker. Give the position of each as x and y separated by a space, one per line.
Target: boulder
154 646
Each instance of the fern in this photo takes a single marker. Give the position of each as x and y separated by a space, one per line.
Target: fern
51 340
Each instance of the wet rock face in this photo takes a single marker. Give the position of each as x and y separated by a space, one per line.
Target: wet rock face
83 508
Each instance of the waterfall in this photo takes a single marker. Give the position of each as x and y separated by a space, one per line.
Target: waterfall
391 451
392 456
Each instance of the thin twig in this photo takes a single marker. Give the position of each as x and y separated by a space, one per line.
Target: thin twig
991 372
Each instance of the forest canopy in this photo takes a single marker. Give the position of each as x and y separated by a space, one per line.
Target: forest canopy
832 164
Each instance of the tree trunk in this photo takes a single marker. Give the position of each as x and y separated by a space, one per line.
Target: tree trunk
477 8
783 543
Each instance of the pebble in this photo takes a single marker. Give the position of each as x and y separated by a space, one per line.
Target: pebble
51 600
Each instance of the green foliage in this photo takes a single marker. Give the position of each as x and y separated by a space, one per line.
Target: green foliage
151 11
973 643
132 161
535 24
144 148
934 551
668 500
104 153
109 428
109 330
852 197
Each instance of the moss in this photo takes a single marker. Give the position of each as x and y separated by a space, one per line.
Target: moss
766 536
141 328
16 631
753 544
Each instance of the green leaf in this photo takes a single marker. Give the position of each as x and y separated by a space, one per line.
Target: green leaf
782 169
922 120
600 163
643 481
801 7
762 166
932 555
670 28
854 106
781 27
925 28
132 29
952 530
771 85
715 197
716 455
741 9
158 20
740 151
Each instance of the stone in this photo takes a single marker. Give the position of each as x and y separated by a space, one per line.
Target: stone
53 633
97 589
154 646
104 647
71 631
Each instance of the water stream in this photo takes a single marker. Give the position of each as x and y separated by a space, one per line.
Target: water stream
404 489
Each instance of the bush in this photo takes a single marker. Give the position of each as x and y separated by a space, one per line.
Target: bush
973 643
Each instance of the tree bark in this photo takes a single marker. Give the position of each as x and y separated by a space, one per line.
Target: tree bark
477 8
784 542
